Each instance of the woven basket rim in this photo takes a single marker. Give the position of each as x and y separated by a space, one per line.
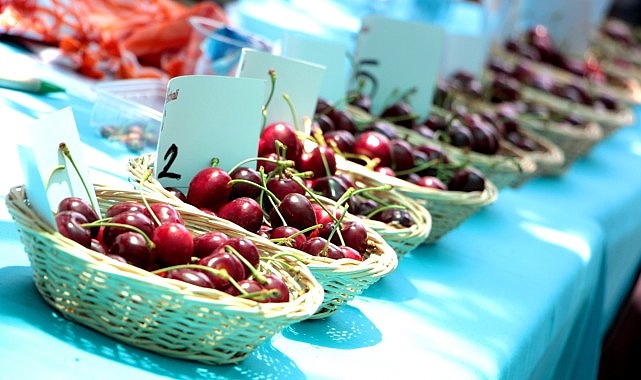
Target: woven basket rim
91 258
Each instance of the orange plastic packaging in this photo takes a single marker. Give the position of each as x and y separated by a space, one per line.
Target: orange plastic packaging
121 39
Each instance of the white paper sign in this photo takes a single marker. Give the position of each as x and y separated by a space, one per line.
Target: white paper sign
397 56
300 80
50 176
332 55
464 52
207 117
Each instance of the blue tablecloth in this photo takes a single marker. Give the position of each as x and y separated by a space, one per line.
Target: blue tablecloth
525 288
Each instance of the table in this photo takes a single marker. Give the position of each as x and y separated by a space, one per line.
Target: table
526 288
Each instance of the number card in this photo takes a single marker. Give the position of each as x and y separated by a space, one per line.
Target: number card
397 56
300 80
329 54
49 174
207 117
464 52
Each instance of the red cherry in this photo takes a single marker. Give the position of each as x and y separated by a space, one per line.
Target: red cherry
245 212
165 213
222 260
133 218
283 132
190 275
120 207
69 224
313 161
132 246
354 235
209 188
241 189
208 242
350 253
82 206
174 244
274 282
431 182
281 187
296 210
284 232
247 249
374 145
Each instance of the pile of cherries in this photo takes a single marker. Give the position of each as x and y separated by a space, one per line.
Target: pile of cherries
280 195
154 237
503 92
379 146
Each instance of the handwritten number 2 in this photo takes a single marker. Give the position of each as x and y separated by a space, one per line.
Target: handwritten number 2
169 157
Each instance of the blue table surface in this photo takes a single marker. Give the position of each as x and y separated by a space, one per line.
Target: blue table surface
525 288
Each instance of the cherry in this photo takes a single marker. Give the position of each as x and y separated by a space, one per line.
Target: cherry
296 210
400 113
69 224
247 249
248 285
133 218
460 135
360 100
209 188
341 139
321 161
190 275
285 233
283 132
385 128
350 253
467 179
268 166
174 244
374 145
165 213
208 242
431 182
343 121
132 246
176 192
331 187
402 157
125 206
282 186
324 122
319 246
245 212
395 215
240 189
82 206
274 282
96 245
354 235
223 260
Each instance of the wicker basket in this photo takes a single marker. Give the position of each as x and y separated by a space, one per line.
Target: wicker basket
448 208
507 168
341 279
168 317
574 141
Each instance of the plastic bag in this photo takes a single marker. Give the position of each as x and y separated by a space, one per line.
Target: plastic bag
116 38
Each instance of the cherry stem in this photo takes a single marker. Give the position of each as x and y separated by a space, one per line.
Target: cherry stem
287 240
283 163
277 258
290 104
64 149
383 208
318 135
144 178
99 223
272 79
255 273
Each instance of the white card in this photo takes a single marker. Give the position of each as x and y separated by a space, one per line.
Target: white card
206 117
464 52
35 187
332 55
42 162
300 80
397 56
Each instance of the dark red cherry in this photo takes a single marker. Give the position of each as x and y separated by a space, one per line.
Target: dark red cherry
209 188
245 212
